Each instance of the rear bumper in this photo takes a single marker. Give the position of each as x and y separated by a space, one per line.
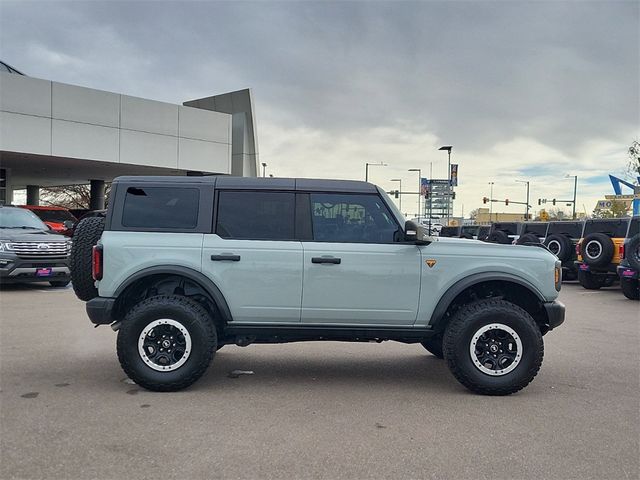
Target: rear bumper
627 273
555 313
100 310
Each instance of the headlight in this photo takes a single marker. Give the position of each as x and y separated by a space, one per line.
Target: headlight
558 276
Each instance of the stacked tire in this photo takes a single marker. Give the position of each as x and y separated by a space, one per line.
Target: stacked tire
85 237
631 286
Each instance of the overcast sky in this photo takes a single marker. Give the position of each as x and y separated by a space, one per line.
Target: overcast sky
522 90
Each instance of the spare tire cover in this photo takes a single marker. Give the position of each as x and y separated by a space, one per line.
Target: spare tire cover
597 249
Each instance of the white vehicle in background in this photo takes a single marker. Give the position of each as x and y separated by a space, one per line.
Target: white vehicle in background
436 226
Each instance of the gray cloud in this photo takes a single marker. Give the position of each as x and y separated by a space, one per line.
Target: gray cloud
476 74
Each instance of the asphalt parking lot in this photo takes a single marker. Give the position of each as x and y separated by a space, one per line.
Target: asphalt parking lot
315 410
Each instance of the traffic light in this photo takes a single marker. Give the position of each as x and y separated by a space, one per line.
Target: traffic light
539 201
485 199
453 195
506 202
554 201
396 193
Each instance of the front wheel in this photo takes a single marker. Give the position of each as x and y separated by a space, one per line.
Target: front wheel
166 342
493 347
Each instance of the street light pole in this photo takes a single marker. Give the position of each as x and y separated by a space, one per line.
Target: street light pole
399 180
264 170
491 202
419 186
366 169
575 190
526 212
448 148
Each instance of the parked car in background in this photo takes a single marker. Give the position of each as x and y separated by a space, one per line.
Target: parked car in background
59 219
433 227
29 251
562 239
452 232
504 232
629 268
599 251
533 232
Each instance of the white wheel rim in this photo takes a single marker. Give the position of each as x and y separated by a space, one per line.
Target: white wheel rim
165 346
554 247
513 349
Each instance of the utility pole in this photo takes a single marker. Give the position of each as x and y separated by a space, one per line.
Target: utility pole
366 169
491 202
526 211
264 170
399 180
419 187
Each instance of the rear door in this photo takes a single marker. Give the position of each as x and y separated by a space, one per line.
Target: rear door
355 272
253 257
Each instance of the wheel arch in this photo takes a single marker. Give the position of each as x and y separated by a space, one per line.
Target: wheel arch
490 284
160 272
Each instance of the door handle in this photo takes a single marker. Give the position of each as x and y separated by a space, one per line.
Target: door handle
332 260
222 258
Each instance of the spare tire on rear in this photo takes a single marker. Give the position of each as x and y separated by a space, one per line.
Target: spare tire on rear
596 250
86 235
560 246
498 236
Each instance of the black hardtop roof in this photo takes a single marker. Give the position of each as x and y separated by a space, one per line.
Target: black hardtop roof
257 183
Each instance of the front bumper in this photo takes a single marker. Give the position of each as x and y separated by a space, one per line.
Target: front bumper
555 313
100 310
14 269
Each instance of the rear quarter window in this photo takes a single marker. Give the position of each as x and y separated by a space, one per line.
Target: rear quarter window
614 228
161 208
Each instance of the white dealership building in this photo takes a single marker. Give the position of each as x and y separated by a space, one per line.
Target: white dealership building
54 134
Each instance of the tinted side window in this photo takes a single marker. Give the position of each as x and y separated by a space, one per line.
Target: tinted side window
256 215
161 207
351 218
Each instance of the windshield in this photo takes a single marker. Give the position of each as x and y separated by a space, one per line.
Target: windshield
392 206
573 229
57 216
20 218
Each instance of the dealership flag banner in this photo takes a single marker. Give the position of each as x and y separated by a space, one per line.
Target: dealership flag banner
424 187
454 174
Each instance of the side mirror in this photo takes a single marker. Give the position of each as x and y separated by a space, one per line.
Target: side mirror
68 224
414 233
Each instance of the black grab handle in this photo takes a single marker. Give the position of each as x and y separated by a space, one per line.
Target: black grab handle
222 258
333 260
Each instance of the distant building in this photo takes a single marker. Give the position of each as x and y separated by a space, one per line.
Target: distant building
483 217
54 134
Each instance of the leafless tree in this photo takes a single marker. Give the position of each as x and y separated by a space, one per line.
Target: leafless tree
69 196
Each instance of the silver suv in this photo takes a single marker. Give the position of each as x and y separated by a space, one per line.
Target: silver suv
185 265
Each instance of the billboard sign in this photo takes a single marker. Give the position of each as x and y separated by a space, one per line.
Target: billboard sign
454 174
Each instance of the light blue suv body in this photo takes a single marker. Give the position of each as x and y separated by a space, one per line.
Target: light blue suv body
277 260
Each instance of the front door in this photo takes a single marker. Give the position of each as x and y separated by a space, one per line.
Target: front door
355 270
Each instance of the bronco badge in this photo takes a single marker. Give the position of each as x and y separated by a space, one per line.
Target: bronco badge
431 262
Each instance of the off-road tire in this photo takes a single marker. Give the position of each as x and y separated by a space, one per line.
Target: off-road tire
499 237
528 238
630 288
458 336
59 283
434 346
606 249
85 236
193 316
561 246
632 252
589 281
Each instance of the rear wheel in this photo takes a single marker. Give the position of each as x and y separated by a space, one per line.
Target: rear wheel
493 347
166 343
434 346
589 281
630 288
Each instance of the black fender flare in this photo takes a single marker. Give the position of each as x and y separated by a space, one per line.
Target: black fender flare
205 282
438 316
